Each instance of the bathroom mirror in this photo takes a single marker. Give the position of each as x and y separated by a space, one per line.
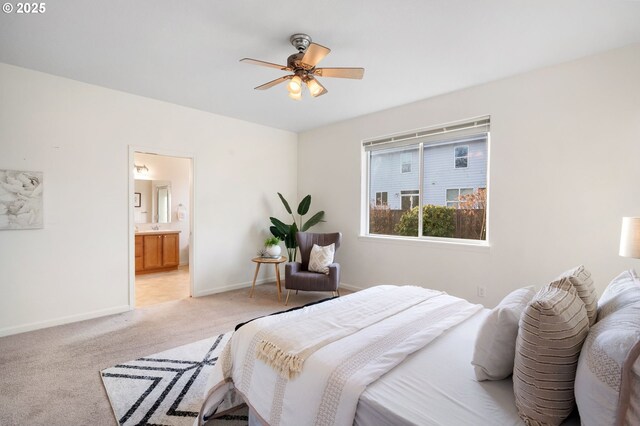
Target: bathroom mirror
163 204
152 201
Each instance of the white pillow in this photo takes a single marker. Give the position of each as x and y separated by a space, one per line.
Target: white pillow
607 386
321 257
607 379
495 346
624 290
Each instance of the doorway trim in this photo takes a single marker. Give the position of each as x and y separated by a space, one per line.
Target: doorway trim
131 228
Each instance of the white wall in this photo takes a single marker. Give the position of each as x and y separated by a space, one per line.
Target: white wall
79 136
564 169
177 171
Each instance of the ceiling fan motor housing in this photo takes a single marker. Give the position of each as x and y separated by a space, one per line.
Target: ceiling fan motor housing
295 63
300 41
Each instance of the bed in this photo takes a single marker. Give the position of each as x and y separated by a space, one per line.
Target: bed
386 375
440 375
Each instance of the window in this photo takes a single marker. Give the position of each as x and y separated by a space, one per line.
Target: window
454 196
409 199
461 156
406 162
386 176
407 171
381 198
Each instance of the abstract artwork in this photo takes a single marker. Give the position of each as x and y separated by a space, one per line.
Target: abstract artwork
20 200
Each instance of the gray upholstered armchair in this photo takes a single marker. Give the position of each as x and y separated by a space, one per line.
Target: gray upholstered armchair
298 277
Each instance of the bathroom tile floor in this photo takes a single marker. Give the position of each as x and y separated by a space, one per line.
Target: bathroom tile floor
162 287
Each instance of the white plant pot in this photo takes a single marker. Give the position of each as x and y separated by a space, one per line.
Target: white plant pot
274 251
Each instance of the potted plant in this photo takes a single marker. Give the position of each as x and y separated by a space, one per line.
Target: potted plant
287 233
272 246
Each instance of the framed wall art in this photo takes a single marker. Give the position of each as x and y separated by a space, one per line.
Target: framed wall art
21 200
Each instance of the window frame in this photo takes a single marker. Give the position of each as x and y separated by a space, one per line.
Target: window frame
457 201
413 193
382 203
455 157
365 180
403 163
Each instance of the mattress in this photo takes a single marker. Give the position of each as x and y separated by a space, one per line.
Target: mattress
436 386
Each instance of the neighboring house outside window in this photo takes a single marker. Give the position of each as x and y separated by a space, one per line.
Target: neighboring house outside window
388 176
395 169
461 156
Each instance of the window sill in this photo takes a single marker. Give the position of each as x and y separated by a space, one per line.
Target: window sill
426 241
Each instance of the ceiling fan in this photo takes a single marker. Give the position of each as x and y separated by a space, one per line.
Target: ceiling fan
303 66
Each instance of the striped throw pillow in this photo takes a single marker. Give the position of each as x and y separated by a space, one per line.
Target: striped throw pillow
581 279
551 332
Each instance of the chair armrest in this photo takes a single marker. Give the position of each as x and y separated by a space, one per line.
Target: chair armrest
334 273
291 268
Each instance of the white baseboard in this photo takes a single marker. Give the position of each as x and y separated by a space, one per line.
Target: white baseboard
7 331
237 286
351 287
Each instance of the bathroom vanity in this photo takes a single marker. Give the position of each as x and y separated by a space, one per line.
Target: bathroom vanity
157 251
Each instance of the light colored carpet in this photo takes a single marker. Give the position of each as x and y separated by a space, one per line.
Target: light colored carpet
51 376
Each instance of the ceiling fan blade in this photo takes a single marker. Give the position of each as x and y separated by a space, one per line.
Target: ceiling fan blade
355 73
264 64
274 82
314 54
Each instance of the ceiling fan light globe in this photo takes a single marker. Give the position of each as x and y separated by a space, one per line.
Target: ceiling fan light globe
295 96
314 88
295 85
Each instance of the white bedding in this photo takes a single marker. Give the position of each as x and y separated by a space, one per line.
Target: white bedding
327 389
436 386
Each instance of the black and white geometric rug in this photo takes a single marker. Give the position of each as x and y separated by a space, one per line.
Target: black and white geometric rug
166 388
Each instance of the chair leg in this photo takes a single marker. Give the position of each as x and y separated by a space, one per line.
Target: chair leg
287 301
338 291
296 292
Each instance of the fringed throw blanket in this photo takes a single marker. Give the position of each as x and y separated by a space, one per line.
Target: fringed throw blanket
289 342
309 367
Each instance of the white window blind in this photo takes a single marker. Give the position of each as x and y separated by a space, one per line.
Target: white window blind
460 131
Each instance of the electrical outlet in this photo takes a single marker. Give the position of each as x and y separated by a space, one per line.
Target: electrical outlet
481 291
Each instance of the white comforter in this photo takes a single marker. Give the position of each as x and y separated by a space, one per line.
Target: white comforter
327 389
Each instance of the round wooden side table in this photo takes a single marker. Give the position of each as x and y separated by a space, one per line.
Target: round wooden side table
274 261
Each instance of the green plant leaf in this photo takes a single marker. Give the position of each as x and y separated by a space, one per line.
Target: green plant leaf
286 204
304 205
276 233
281 226
290 240
314 220
271 241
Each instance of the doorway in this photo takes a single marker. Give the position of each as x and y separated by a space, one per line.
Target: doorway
161 227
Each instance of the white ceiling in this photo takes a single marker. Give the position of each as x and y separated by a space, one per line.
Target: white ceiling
187 52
